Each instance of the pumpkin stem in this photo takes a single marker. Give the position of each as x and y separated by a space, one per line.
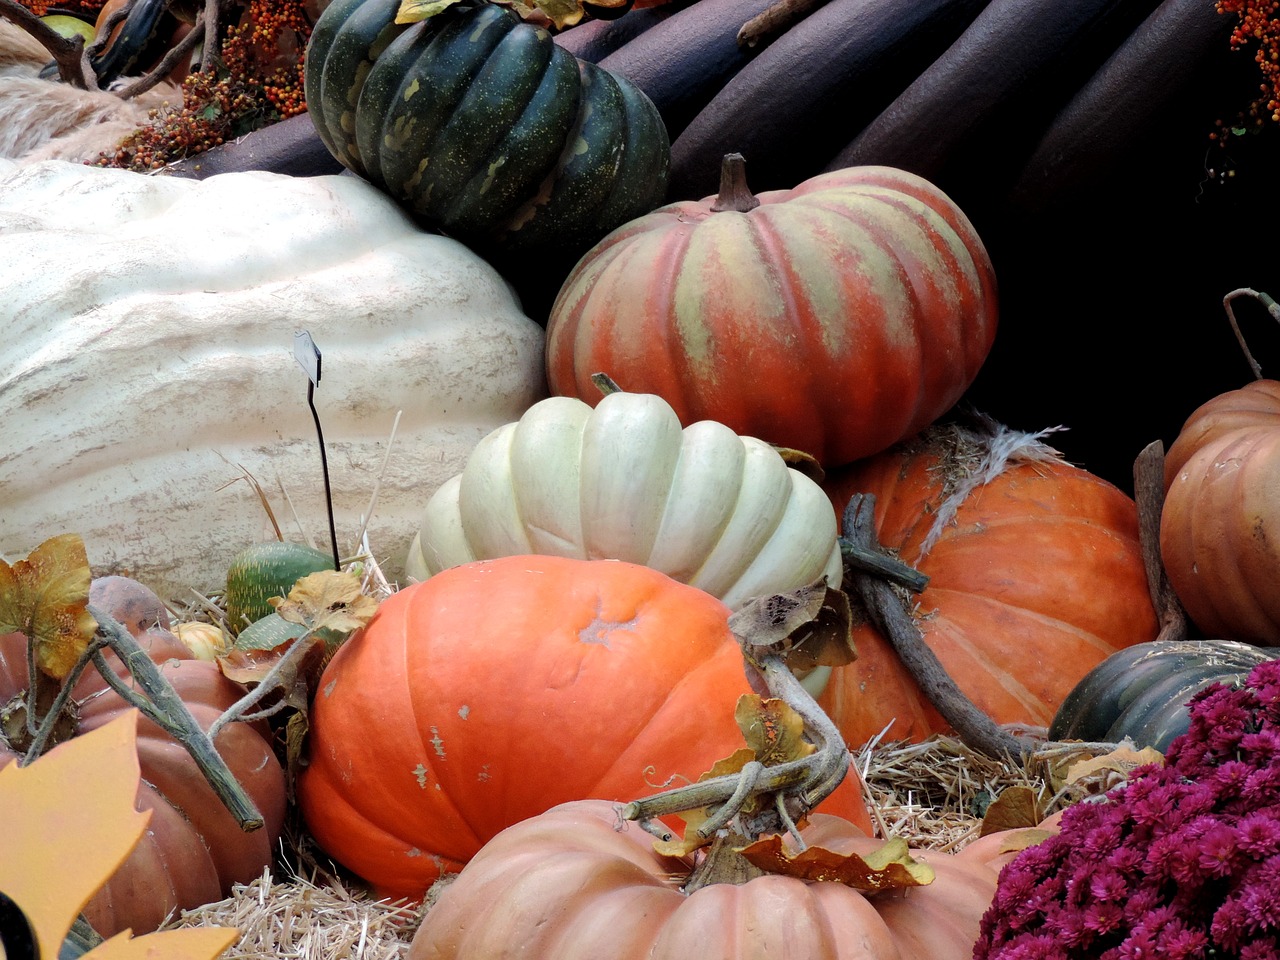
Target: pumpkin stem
1148 494
895 623
605 384
1272 308
734 193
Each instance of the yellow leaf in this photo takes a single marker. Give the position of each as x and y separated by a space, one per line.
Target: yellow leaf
327 600
563 13
772 729
1015 808
46 597
56 850
411 11
202 943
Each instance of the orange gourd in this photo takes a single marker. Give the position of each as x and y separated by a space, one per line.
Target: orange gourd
500 688
572 885
193 851
1035 576
1220 527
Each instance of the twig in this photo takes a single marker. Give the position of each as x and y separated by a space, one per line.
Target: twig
881 564
1272 308
171 58
780 17
48 722
270 682
898 627
166 709
68 52
1148 492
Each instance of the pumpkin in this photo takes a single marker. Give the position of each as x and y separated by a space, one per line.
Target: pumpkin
193 851
1035 576
571 884
497 689
264 570
835 318
1142 692
622 481
1220 525
153 371
483 127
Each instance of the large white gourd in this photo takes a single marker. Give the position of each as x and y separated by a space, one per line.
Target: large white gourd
146 364
623 481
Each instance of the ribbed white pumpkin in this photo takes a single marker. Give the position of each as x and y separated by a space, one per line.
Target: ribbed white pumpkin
146 357
623 481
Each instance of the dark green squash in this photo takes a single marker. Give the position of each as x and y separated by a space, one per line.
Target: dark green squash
484 128
1141 692
265 570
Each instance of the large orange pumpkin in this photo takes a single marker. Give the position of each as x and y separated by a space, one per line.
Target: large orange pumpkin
500 688
1035 576
836 318
193 850
1220 527
572 885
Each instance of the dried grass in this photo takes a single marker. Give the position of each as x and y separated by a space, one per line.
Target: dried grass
931 793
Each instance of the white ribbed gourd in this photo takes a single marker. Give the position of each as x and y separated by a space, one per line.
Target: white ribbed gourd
623 481
146 363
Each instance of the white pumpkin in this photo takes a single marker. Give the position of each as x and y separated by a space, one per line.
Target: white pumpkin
146 364
623 481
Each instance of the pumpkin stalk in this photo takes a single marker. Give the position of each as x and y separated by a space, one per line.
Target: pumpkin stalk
734 193
166 709
50 711
1267 301
895 623
1148 493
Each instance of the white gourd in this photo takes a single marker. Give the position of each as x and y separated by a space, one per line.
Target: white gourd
623 481
146 364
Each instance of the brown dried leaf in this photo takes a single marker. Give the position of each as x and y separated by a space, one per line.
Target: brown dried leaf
808 626
1122 761
772 728
890 867
327 600
1015 808
46 597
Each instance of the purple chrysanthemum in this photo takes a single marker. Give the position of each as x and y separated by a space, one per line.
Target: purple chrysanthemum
1183 861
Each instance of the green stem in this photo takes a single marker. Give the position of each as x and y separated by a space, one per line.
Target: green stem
1272 308
49 719
165 708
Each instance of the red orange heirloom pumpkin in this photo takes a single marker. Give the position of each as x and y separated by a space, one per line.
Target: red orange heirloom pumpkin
500 688
835 318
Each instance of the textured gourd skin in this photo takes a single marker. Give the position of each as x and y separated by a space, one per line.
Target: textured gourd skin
482 126
573 885
193 851
835 318
1038 578
500 688
622 481
1220 526
1141 692
145 376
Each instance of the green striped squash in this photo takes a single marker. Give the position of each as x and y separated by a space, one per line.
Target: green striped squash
482 127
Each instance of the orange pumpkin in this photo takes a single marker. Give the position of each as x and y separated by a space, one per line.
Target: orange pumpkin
500 688
1220 527
1035 577
193 851
571 885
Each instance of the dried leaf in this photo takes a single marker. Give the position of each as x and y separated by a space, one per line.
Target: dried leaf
411 11
1121 761
802 462
1016 807
890 867
56 851
807 627
46 597
327 600
772 728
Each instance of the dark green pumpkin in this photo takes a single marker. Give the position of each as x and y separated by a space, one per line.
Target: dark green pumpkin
1141 692
482 127
265 570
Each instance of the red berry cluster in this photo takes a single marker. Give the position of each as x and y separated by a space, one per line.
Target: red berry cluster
1260 24
258 83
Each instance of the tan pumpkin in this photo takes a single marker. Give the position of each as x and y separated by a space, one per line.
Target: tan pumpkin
193 851
576 884
1220 527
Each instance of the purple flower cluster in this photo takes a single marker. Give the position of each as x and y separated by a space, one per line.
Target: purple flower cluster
1181 862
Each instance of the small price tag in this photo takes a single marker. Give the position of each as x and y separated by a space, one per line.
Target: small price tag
307 354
